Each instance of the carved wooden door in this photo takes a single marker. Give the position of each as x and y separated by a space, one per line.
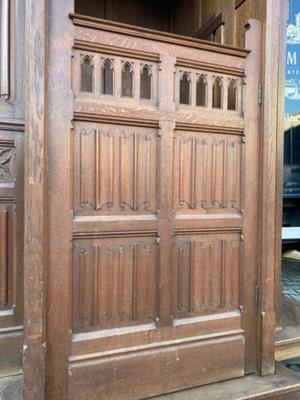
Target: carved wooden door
164 153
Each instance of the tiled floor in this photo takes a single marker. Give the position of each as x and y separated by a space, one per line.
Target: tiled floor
11 388
291 279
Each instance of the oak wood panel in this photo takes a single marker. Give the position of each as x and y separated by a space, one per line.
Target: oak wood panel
11 216
128 380
115 170
268 187
138 185
208 173
84 344
35 201
60 178
207 274
115 282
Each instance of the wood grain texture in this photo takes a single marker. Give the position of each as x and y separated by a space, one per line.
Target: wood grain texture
35 204
129 379
60 197
268 187
157 238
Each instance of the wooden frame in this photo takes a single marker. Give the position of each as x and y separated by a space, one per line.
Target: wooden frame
271 165
36 191
211 26
35 236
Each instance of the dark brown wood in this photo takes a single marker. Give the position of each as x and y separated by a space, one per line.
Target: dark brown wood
210 27
60 197
11 186
35 215
156 213
106 25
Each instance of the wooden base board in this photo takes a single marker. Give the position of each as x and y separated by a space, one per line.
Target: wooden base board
137 376
283 385
287 345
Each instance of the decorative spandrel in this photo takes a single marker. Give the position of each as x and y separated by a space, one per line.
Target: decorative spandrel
86 74
185 89
127 80
7 162
232 95
107 77
146 83
201 91
217 93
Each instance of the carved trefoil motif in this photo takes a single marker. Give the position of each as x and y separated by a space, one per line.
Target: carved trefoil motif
7 154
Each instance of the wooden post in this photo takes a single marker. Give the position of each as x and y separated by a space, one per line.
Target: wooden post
60 114
279 157
35 215
269 126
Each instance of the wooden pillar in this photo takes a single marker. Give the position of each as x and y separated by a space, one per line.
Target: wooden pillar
60 114
35 202
269 186
279 158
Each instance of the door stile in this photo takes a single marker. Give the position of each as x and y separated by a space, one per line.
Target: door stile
251 175
60 103
166 214
166 222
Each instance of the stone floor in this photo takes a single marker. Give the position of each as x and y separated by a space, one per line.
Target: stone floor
291 279
11 388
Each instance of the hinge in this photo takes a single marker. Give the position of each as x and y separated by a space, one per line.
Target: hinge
260 93
257 295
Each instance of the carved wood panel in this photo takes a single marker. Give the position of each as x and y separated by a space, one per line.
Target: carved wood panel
7 256
114 282
115 169
208 172
159 207
7 163
207 273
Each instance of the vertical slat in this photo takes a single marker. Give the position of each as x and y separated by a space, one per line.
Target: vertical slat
4 49
209 91
96 285
193 88
3 257
117 77
225 82
134 282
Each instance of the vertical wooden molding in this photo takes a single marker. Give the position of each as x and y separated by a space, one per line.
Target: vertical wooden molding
251 200
60 113
279 155
268 185
4 49
35 247
3 258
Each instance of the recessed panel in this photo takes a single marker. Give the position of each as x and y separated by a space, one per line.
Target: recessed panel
207 174
114 282
115 169
206 273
